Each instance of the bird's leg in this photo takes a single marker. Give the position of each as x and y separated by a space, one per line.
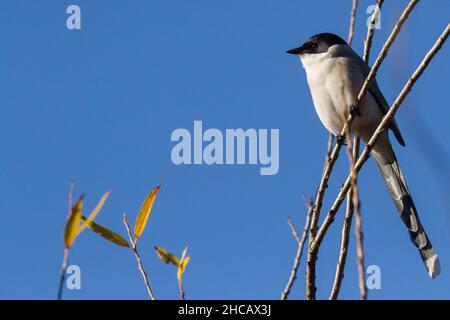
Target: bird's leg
354 111
341 140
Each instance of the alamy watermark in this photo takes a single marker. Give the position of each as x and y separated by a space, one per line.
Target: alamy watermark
373 280
235 146
73 21
73 280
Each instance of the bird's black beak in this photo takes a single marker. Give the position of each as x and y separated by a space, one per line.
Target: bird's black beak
296 50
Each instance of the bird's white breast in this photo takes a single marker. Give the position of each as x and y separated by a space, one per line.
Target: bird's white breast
334 82
327 89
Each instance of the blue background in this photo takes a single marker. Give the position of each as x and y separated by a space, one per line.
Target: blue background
99 106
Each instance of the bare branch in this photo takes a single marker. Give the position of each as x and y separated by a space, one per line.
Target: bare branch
339 275
138 258
300 243
182 293
370 32
310 269
353 202
359 242
351 30
294 231
321 189
345 239
353 197
65 263
71 193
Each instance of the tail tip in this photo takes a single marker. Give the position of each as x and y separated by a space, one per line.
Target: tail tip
433 266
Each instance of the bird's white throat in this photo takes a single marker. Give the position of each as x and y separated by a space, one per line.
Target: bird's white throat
310 60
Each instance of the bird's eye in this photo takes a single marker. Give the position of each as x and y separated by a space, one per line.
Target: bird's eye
314 45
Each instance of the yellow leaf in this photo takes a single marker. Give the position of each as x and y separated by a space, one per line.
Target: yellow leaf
73 224
182 267
167 257
183 255
184 263
144 212
105 233
96 210
180 275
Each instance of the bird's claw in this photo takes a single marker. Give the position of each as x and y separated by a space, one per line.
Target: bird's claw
340 140
354 111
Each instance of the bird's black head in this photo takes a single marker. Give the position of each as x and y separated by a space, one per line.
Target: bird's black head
318 43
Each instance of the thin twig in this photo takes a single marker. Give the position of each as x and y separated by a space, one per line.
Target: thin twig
313 249
321 189
293 230
62 278
339 274
380 129
71 193
351 30
138 258
300 244
353 197
345 239
182 294
359 241
327 160
353 194
310 265
370 31
328 153
65 262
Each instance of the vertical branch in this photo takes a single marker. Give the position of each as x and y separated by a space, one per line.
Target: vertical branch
339 274
321 190
182 294
328 153
138 258
353 198
300 244
351 30
310 263
345 239
370 31
359 239
353 194
315 213
62 278
65 262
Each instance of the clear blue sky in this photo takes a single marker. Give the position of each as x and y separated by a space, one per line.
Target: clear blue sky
99 106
